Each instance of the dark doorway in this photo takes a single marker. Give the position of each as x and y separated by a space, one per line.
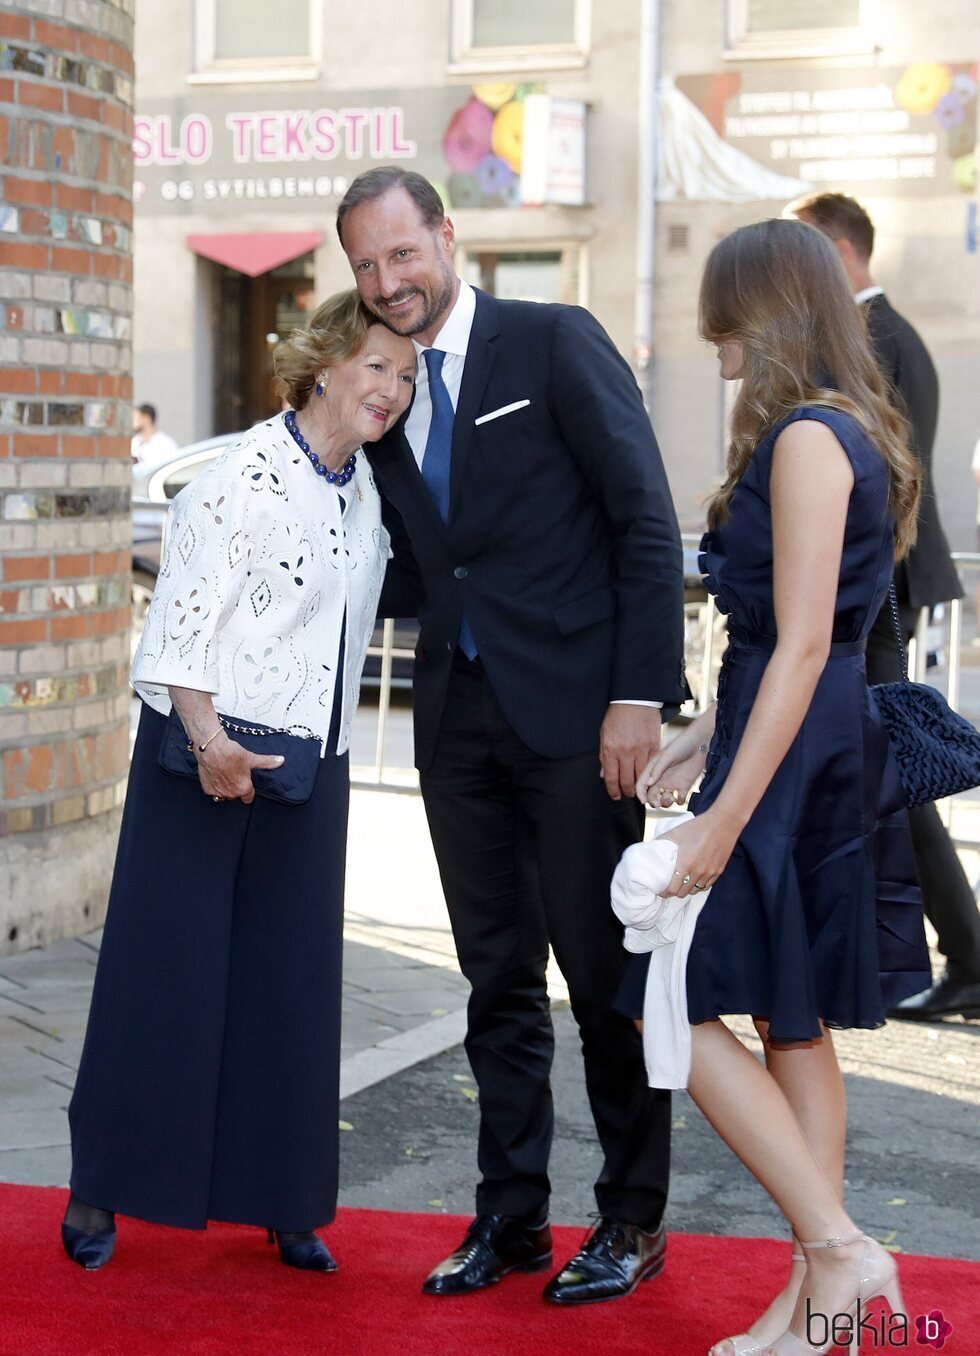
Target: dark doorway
251 316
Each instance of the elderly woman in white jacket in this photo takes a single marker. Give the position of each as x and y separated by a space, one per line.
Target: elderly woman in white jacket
208 1087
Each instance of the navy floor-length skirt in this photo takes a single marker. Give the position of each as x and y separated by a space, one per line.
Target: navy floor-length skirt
208 1086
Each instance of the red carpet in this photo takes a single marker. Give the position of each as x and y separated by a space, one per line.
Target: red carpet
224 1293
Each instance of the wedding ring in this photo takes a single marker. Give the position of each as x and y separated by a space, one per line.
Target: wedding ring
686 880
698 885
217 797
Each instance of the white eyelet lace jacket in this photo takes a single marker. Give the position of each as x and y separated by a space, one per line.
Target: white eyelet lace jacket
260 569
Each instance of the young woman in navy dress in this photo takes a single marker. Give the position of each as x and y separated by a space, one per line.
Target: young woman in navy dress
819 501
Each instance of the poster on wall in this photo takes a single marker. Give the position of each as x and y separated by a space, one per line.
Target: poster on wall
908 130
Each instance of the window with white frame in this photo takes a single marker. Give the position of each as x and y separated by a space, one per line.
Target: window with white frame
536 273
236 38
514 35
789 28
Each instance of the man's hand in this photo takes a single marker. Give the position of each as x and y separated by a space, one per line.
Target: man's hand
629 738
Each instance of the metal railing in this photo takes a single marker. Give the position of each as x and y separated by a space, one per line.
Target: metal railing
968 564
407 778
704 639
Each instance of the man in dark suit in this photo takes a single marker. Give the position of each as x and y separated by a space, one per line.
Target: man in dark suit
535 539
925 577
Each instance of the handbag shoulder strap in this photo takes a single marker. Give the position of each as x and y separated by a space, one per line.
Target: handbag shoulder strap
899 639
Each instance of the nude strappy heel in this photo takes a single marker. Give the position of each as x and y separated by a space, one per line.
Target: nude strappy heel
877 1279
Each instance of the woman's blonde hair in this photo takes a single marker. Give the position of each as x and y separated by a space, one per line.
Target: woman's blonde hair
779 289
335 331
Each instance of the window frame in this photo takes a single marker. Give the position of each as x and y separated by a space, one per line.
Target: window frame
482 245
210 69
850 40
468 59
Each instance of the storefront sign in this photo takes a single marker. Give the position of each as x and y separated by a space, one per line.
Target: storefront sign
905 130
470 142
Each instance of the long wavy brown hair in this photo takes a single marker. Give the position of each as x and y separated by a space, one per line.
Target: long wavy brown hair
779 289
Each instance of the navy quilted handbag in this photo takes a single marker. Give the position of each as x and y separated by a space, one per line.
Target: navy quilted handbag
292 783
937 750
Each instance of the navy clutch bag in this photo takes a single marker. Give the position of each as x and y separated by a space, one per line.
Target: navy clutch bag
292 783
936 749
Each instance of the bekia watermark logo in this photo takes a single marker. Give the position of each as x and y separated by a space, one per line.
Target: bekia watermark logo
876 1329
931 1330
859 1325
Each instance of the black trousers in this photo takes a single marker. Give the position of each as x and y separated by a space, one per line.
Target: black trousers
947 895
526 848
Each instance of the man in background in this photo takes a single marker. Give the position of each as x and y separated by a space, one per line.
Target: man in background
149 442
925 577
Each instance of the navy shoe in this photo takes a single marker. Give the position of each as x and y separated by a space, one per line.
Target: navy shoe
307 1252
90 1251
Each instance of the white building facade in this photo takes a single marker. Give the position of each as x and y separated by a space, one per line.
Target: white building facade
543 125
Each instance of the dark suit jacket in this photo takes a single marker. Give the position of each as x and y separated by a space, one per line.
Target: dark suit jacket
927 575
562 544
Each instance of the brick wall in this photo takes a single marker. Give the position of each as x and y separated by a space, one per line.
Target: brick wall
66 97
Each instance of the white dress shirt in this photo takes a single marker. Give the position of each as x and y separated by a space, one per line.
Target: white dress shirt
453 340
866 293
267 565
152 448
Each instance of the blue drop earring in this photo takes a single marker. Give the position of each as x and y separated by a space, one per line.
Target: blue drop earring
320 388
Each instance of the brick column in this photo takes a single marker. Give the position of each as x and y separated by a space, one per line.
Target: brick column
66 98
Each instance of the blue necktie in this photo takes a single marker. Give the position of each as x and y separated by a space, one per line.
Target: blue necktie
437 460
439 444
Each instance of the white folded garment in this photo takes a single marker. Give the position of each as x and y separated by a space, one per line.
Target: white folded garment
664 928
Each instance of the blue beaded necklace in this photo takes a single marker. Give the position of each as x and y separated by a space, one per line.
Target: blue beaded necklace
342 477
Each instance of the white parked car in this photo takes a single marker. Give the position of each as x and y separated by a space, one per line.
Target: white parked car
155 483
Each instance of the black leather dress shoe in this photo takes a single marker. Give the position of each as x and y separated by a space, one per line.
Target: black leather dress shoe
615 1259
494 1245
945 998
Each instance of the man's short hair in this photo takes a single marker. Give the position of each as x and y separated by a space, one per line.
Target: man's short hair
375 183
839 217
149 410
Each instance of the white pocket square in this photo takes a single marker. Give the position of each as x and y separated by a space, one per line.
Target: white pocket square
504 409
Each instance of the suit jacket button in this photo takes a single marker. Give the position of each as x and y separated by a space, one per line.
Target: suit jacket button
461 572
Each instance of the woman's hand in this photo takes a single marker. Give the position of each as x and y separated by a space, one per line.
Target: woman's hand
704 845
664 784
667 779
225 769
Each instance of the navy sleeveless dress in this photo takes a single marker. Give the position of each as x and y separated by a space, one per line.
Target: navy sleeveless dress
819 896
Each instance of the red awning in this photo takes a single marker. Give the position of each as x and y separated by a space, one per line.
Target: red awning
255 252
